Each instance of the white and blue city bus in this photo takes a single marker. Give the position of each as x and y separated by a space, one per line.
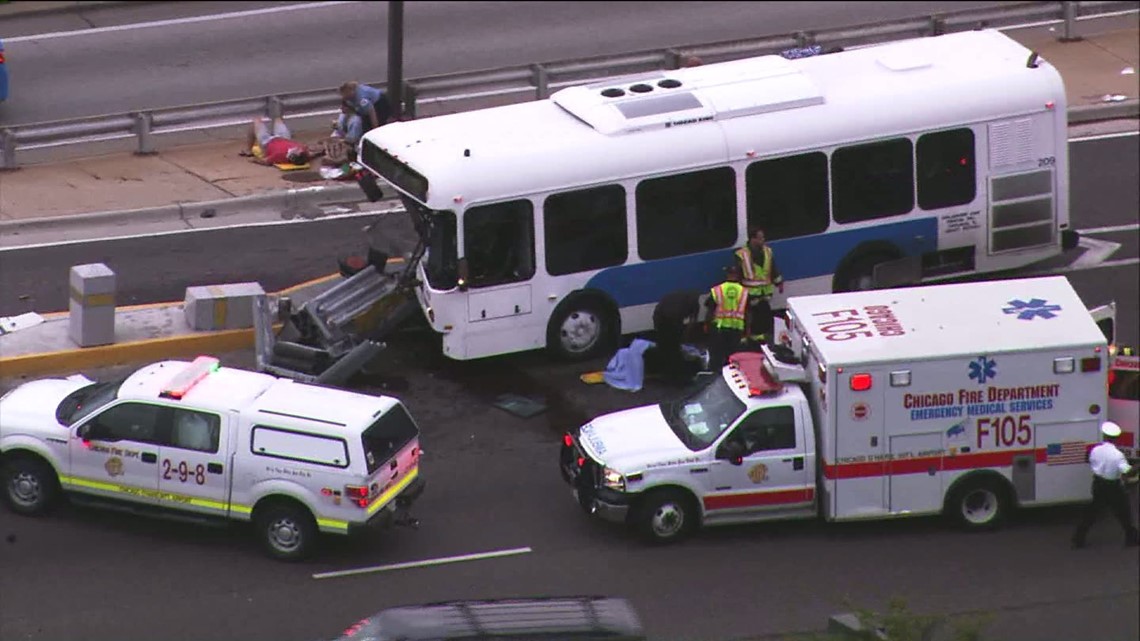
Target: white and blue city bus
560 223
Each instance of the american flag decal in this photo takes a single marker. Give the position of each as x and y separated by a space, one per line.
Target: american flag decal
1069 453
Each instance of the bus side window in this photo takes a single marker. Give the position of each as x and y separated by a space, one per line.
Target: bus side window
498 242
870 181
686 213
787 196
585 230
946 169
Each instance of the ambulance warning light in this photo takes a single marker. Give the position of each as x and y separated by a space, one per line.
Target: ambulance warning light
189 377
860 382
1064 365
1091 364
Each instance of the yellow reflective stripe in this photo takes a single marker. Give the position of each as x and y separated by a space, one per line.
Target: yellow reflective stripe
184 499
387 496
332 524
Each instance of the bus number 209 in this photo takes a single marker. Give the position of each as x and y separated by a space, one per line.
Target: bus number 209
1004 431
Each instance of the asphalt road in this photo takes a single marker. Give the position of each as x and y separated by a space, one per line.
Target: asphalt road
180 63
493 485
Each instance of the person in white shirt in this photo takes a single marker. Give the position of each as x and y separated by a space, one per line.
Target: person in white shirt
1109 469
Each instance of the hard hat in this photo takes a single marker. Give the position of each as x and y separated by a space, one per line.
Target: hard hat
1110 429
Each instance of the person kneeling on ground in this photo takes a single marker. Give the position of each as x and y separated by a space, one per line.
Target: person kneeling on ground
349 126
277 146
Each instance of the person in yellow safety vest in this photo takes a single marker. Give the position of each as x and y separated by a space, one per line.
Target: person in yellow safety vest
760 275
727 315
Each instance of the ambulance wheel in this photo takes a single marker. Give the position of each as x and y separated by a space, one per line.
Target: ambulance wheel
581 328
978 504
30 485
666 516
286 530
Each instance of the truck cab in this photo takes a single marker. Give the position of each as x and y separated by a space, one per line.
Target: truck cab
201 442
737 447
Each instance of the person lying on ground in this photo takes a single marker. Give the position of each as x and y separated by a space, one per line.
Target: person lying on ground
277 145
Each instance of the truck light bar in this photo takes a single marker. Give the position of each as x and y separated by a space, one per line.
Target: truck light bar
189 377
748 370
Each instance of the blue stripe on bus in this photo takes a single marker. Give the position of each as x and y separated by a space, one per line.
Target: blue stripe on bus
804 257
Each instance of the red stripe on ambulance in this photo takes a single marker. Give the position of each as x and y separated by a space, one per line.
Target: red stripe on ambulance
754 499
923 465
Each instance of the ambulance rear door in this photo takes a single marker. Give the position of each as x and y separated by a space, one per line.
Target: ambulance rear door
923 421
858 462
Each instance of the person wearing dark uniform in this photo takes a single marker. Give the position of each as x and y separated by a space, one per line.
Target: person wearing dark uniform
759 274
1109 468
727 314
674 320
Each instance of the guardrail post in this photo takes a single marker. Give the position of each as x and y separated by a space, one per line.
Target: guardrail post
8 149
673 59
804 39
143 125
410 95
274 107
1069 10
937 26
541 82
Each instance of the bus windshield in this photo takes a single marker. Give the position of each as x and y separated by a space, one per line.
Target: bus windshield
438 231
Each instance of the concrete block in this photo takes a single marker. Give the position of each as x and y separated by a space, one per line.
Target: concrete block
91 310
215 307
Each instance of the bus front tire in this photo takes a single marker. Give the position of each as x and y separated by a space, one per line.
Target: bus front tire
582 328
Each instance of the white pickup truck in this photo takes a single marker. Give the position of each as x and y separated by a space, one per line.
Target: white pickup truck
966 400
207 443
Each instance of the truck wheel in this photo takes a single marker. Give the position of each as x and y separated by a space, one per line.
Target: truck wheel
581 329
666 516
30 486
287 531
978 505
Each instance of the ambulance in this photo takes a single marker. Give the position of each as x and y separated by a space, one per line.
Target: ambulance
202 443
965 400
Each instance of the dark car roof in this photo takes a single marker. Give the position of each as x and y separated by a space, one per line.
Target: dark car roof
533 619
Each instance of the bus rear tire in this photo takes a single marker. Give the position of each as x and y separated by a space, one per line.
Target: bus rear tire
582 328
859 275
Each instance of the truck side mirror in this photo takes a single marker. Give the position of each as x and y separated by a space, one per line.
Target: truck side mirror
732 451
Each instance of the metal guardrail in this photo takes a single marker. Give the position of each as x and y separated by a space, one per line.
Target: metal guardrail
534 81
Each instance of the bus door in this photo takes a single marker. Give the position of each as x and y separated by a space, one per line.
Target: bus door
499 257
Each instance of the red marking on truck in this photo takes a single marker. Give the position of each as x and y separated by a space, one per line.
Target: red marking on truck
923 464
754 499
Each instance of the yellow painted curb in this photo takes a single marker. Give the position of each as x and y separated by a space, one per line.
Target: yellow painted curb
179 345
154 349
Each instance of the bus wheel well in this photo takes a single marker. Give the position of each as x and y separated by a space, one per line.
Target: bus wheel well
857 267
979 500
584 325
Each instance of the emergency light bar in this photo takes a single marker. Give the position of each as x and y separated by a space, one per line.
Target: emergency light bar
186 379
748 369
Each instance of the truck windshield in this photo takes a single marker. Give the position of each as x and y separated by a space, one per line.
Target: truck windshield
438 231
77 405
702 414
387 436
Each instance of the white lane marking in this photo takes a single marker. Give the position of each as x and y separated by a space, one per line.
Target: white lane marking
1123 262
333 3
179 21
1109 230
190 230
1096 252
1120 134
425 563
